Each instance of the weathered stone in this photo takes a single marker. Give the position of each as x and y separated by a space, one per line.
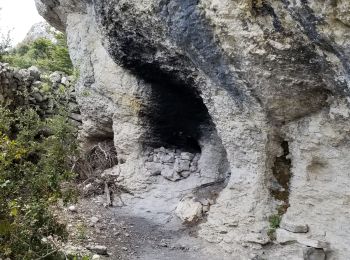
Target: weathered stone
111 173
34 72
65 81
311 253
154 168
72 208
55 77
293 227
185 174
94 220
98 249
189 210
38 97
284 236
76 117
170 174
181 165
167 158
187 156
38 31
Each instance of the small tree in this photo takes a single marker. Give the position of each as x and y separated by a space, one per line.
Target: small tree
43 53
5 43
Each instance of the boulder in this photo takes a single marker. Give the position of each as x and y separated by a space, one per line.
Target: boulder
189 210
55 77
98 249
311 253
170 174
294 227
34 72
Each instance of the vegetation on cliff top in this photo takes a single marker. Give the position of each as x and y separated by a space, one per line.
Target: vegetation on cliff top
42 53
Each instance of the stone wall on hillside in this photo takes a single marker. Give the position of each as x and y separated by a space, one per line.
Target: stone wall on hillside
29 87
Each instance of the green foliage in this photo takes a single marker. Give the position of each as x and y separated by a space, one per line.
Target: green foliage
43 53
82 231
274 221
5 43
34 160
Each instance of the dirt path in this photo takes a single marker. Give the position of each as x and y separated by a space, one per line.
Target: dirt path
129 237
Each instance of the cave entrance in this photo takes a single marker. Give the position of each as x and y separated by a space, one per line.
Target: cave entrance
177 117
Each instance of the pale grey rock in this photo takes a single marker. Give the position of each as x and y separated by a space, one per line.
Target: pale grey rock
181 165
170 174
111 173
34 72
98 249
36 85
38 97
72 208
94 220
185 174
187 156
284 236
189 210
311 253
88 188
41 30
154 168
293 227
74 250
193 168
23 73
167 158
76 117
55 77
65 81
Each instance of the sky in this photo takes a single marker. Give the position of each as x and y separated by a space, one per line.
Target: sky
18 16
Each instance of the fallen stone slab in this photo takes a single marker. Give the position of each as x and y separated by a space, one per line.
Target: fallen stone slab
283 236
311 253
98 249
294 227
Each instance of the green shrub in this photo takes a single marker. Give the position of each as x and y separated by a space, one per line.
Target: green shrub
43 53
274 221
34 160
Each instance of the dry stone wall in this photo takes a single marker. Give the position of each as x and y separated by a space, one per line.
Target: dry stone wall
28 87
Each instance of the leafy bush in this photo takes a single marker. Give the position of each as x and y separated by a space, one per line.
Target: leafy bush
34 160
43 53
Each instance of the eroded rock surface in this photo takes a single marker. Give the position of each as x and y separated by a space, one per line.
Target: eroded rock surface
38 31
257 89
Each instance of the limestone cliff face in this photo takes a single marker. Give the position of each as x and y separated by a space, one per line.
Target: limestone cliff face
40 30
258 88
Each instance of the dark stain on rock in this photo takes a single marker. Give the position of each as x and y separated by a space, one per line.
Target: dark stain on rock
282 172
190 30
307 19
138 45
264 9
